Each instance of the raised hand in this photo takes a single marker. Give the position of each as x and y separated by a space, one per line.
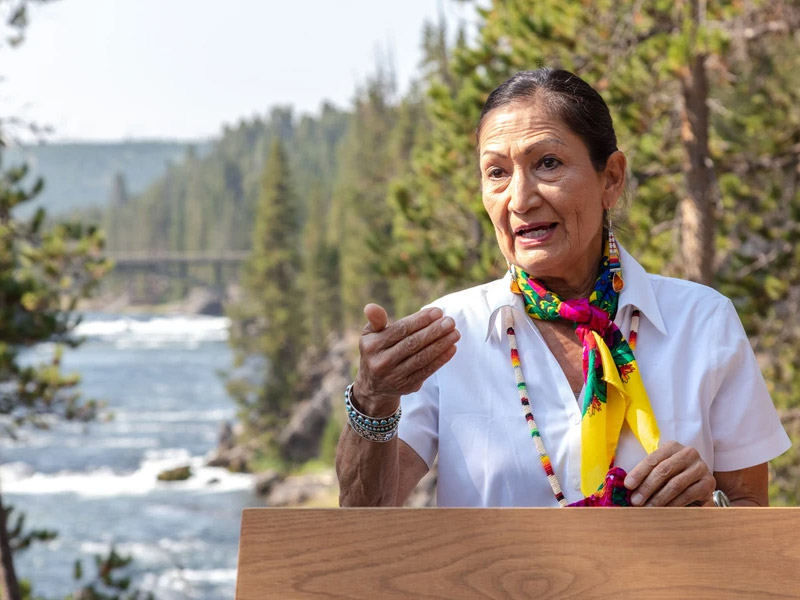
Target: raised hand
396 359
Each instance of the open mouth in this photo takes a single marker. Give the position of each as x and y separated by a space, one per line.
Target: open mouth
535 231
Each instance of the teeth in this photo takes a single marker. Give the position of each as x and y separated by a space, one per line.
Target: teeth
533 234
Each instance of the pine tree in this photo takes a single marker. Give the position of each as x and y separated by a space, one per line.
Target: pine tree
43 273
360 219
269 322
376 150
119 190
320 277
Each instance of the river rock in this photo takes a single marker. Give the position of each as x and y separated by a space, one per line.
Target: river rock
225 439
297 489
327 376
266 481
234 459
176 474
299 439
198 301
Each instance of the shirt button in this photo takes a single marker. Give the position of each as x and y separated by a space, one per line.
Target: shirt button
576 483
575 419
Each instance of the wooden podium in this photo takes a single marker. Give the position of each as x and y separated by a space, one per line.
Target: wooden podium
531 553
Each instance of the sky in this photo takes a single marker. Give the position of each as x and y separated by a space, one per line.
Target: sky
181 69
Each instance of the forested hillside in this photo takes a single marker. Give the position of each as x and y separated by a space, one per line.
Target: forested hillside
81 175
705 101
208 202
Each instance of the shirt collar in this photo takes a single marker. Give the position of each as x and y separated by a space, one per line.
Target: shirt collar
637 292
498 295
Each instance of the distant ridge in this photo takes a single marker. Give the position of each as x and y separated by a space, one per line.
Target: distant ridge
80 175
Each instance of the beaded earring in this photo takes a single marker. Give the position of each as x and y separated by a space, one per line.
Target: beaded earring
613 260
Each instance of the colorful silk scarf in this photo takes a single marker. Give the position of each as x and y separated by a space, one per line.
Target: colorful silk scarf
614 392
611 493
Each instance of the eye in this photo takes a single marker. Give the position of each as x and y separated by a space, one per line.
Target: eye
549 163
495 173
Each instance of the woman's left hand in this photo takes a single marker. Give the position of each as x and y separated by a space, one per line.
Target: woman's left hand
673 475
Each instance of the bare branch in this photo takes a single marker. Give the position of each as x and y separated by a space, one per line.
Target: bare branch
751 33
764 260
790 416
663 226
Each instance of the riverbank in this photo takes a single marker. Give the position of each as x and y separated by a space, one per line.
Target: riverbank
197 301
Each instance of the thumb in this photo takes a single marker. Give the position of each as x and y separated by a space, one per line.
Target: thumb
376 317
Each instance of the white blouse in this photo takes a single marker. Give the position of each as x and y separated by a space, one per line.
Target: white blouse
696 362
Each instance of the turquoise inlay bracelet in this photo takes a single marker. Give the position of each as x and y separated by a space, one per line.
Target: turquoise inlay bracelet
375 429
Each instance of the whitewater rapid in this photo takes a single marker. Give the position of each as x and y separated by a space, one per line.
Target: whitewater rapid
97 484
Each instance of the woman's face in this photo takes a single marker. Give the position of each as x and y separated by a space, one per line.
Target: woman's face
543 194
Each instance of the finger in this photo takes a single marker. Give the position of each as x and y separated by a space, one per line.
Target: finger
376 318
414 343
437 363
404 327
699 492
677 484
658 477
426 355
648 463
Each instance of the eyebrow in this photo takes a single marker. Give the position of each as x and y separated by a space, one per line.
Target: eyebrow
529 149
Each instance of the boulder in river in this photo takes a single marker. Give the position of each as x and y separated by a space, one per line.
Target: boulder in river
228 454
176 474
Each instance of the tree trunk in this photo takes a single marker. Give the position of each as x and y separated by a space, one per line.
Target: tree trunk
696 209
9 586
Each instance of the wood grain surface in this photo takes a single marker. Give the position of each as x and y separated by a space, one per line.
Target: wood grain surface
540 553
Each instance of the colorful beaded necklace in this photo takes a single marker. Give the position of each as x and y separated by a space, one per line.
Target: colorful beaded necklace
526 405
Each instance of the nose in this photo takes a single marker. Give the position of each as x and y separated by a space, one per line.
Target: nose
524 192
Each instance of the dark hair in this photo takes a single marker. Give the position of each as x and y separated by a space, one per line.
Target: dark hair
567 97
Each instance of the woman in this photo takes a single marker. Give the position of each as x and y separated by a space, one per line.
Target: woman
578 371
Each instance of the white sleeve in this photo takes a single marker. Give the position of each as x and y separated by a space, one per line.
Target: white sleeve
419 425
744 423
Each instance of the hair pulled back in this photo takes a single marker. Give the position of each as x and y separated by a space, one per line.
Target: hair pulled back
567 97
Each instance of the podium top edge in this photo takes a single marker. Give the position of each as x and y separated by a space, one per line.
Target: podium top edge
510 508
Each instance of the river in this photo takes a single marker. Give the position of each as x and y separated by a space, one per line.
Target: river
96 483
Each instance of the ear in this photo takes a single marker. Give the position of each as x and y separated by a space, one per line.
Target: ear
614 179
